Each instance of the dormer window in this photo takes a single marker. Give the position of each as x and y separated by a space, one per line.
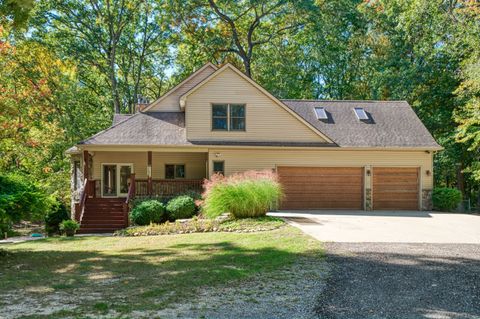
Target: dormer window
228 117
361 114
321 113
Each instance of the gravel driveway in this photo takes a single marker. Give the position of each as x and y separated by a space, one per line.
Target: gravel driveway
399 280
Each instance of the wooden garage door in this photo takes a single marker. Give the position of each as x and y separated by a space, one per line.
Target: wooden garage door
321 187
395 188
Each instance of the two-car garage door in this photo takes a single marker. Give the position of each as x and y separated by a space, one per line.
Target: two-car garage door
343 188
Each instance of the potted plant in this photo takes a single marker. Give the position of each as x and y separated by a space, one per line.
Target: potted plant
69 227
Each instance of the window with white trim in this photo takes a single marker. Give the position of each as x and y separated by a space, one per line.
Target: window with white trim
228 117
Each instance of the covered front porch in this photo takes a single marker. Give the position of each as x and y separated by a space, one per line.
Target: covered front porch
144 173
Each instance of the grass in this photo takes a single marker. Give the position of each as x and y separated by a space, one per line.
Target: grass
124 274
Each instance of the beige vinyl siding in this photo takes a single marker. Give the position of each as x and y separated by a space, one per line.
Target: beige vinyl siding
256 159
195 163
171 102
265 119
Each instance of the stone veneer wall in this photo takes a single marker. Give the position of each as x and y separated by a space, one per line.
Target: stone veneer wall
368 199
427 203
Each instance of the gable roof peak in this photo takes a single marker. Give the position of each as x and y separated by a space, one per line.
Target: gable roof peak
193 74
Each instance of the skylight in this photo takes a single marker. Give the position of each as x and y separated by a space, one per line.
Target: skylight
361 114
321 114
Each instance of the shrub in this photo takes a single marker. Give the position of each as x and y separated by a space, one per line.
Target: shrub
149 211
446 199
57 214
69 226
181 207
20 199
250 194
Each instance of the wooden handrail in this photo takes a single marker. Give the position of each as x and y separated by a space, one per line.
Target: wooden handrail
131 189
83 199
130 196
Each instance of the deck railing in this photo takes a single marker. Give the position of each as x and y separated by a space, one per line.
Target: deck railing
167 187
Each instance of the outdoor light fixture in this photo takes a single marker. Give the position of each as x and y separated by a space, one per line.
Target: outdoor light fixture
369 172
428 172
218 154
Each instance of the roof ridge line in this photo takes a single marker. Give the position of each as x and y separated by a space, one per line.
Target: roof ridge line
361 101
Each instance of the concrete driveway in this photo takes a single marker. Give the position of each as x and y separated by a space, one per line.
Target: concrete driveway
386 226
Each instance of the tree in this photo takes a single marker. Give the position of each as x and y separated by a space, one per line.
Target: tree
242 27
124 40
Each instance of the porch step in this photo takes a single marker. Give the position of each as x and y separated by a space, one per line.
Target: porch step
103 215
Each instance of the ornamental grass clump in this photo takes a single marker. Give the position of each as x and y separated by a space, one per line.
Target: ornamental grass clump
249 194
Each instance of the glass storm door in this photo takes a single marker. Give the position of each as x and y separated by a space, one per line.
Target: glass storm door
124 179
116 179
109 180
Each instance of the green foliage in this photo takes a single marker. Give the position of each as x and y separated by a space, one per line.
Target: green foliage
149 211
181 207
242 195
54 218
446 199
69 225
20 199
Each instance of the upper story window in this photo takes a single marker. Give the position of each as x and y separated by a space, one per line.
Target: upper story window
228 117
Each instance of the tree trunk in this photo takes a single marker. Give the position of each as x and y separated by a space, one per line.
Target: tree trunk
460 179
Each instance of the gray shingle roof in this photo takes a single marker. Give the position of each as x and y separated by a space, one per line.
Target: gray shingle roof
117 118
393 123
151 128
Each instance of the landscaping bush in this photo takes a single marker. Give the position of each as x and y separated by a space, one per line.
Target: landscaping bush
181 207
57 214
69 227
149 211
250 194
446 199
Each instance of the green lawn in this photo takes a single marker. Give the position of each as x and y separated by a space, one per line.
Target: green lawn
119 275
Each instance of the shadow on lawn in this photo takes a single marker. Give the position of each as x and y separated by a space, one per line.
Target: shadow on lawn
433 281
147 278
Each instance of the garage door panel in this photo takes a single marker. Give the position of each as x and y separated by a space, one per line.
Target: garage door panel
317 204
321 180
395 188
323 197
321 187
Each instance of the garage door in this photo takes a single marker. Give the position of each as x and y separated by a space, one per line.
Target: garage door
321 187
395 188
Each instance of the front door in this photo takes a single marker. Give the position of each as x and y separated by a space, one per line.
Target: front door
116 179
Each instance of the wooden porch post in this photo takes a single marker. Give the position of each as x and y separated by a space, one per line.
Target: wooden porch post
149 173
85 171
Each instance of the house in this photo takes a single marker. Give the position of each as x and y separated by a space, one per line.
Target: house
356 155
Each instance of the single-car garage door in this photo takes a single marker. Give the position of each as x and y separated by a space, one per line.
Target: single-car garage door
321 187
395 188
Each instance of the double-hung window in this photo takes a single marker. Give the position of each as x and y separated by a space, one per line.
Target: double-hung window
228 117
174 171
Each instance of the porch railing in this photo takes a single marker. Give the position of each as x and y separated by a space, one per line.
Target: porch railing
81 204
167 187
